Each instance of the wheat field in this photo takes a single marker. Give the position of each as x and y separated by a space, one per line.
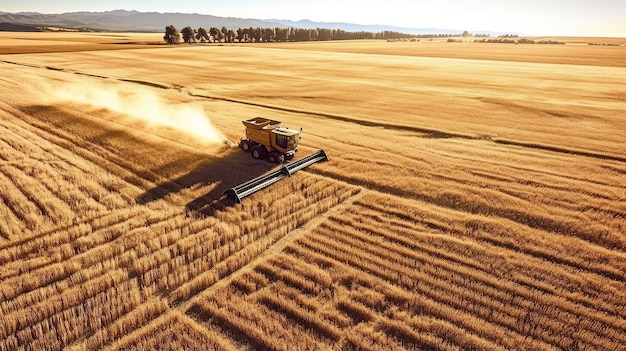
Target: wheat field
475 196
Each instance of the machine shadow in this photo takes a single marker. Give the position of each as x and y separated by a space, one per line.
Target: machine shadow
229 169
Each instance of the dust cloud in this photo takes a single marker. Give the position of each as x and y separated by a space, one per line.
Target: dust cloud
142 104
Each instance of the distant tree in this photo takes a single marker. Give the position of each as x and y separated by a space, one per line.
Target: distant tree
252 35
465 34
231 35
202 35
171 35
240 34
281 34
267 34
216 34
189 35
324 34
264 35
302 34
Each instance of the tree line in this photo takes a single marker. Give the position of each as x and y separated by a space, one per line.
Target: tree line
264 35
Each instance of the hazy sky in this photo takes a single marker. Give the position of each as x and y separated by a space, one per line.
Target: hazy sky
533 17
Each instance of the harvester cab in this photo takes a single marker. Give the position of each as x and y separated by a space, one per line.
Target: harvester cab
266 139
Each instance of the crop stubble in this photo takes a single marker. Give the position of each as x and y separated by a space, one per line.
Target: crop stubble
490 212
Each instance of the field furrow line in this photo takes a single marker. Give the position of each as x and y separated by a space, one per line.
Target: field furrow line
29 142
309 320
469 160
254 325
68 245
414 270
301 268
46 282
172 330
506 167
546 246
486 329
150 310
565 199
366 337
118 261
80 193
97 184
373 267
456 276
11 222
480 256
51 207
73 297
23 209
558 307
97 157
76 184
434 288
288 278
290 300
114 252
93 313
432 333
42 241
222 273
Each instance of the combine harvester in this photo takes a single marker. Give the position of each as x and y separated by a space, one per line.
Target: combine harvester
266 139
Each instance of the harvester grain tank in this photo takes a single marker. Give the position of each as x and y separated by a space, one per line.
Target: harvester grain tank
266 139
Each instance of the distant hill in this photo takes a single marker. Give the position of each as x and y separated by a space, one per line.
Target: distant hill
122 20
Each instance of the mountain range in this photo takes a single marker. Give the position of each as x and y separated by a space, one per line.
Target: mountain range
123 20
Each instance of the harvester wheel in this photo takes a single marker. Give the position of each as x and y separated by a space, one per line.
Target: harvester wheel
275 157
259 152
246 145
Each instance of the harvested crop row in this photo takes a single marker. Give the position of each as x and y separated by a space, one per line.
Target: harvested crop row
402 271
171 331
581 278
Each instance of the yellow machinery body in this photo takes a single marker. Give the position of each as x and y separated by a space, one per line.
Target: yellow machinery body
266 139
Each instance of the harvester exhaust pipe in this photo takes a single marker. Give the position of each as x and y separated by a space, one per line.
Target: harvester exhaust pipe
252 186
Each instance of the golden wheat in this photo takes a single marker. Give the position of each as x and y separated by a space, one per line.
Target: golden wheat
489 213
